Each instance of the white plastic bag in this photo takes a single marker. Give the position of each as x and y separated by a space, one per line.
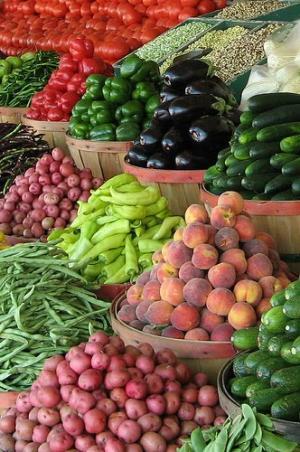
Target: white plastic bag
260 82
282 47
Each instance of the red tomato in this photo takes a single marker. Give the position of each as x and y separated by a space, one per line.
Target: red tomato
192 3
206 6
186 13
220 3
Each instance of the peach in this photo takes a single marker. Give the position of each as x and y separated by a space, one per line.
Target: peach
267 238
196 213
222 217
141 310
222 333
211 234
178 235
159 313
185 317
151 291
165 271
171 291
188 271
178 253
226 238
284 279
233 200
263 306
134 294
242 277
196 291
197 334
248 291
127 313
222 275
164 249
205 256
172 332
209 320
153 273
220 301
270 285
245 228
143 279
157 257
242 315
195 234
235 257
274 258
137 325
150 329
255 246
259 266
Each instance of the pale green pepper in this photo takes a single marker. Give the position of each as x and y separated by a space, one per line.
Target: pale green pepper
144 198
131 259
117 227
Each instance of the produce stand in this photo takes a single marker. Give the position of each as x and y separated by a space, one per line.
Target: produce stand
12 115
54 132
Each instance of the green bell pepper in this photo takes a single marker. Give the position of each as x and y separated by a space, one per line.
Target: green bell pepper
133 110
100 105
152 104
79 130
143 91
146 72
103 132
27 56
85 117
5 68
130 66
95 79
14 61
101 112
82 107
117 90
95 91
128 131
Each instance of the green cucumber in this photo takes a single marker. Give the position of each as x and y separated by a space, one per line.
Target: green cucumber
275 320
293 327
246 118
214 190
296 349
287 379
239 130
291 144
291 168
239 368
262 150
265 102
238 168
287 407
257 184
279 115
239 385
278 184
293 290
260 166
261 197
211 173
220 181
296 186
257 386
286 195
234 183
263 400
291 308
286 354
241 151
223 152
254 359
265 369
245 339
263 338
275 344
278 160
248 136
231 160
246 194
278 299
220 164
277 132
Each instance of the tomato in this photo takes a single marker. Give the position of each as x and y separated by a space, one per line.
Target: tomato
192 3
220 4
206 6
186 13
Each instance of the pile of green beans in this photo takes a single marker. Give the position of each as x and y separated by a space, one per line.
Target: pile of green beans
44 310
24 82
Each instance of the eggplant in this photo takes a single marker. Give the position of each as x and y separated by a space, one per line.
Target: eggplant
151 138
167 93
234 116
137 156
212 132
162 115
160 160
187 161
184 72
210 87
174 140
188 108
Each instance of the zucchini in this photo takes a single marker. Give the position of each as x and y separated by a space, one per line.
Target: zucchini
278 115
278 184
262 150
287 379
254 359
249 135
257 184
239 368
211 173
278 299
263 400
273 133
291 168
238 168
278 160
275 344
239 385
264 102
287 407
275 320
286 195
246 118
260 166
245 339
291 308
293 327
291 144
241 151
265 369
257 386
286 354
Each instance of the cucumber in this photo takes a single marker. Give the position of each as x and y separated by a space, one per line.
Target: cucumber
275 344
278 115
296 186
278 184
287 407
296 349
245 339
291 308
278 299
293 327
262 150
264 102
291 168
239 368
214 190
291 144
241 151
211 173
234 183
263 338
238 168
239 385
249 135
265 369
257 386
239 130
286 354
246 118
257 184
220 181
254 359
278 160
277 132
231 160
275 320
258 167
287 379
220 164
261 197
223 152
247 194
286 195
293 290
263 400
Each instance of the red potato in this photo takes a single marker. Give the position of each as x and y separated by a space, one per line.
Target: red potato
119 396
31 447
49 396
201 379
219 411
66 376
81 401
135 408
116 379
204 415
57 154
20 445
155 383
208 396
23 403
33 414
150 422
95 449
107 406
129 431
166 356
146 350
172 402
56 429
133 448
24 429
136 389
187 427
116 363
100 360
190 395
48 417
61 442
170 428
114 445
146 364
83 442
166 371
92 347
99 394
103 437
7 442
7 424
156 403
40 433
117 342
173 385
34 398
65 410
135 374
186 412
80 363
99 337
95 421
73 424
220 420
65 392
183 373
153 442
90 380
129 359
115 420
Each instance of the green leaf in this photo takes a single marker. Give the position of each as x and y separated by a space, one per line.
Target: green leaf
197 439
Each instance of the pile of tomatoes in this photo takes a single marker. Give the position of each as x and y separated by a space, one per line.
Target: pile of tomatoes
116 27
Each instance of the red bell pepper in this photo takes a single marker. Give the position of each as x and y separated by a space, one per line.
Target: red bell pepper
90 66
66 63
81 48
67 101
55 114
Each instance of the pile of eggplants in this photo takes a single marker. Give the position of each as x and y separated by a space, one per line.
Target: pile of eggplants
195 120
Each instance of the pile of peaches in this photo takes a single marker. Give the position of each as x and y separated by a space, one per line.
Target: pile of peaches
217 275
